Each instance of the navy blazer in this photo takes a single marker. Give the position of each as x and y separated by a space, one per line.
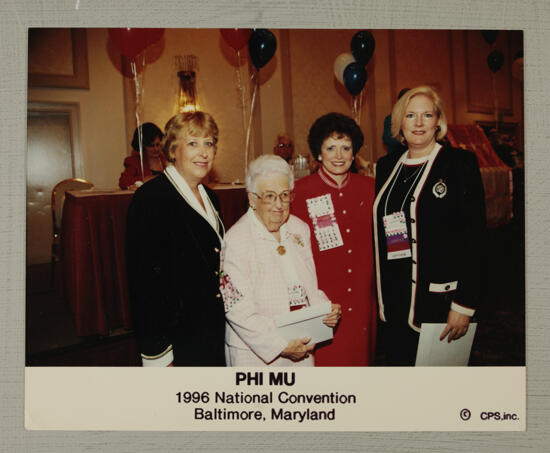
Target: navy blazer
173 258
447 236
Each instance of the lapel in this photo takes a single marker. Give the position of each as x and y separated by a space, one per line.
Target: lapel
180 185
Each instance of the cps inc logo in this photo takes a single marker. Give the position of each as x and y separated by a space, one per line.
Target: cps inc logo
465 414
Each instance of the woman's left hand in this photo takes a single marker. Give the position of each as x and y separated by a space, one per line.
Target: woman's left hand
457 326
331 320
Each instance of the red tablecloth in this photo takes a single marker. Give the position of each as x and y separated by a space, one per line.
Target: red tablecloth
93 255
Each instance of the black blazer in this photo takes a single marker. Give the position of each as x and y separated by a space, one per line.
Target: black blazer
447 236
173 258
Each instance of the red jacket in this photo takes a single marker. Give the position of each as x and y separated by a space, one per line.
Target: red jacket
132 170
345 273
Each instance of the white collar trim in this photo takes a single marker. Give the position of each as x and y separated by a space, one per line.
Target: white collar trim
262 231
181 185
420 160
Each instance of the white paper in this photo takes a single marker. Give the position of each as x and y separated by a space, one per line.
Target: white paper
306 322
433 352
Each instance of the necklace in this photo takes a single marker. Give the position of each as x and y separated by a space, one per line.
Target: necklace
281 250
414 173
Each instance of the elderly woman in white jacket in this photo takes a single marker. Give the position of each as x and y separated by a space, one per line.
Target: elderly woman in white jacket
268 269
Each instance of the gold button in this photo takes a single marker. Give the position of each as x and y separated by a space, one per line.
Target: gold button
349 251
349 309
349 290
216 249
218 295
349 271
216 273
347 230
341 194
344 212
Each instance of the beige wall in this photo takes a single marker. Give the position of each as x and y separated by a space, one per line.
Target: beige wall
296 87
103 140
402 58
216 85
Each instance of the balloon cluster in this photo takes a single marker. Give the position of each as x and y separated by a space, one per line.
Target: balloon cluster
132 41
262 43
349 68
495 59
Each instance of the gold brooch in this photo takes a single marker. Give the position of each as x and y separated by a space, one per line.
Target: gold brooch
281 249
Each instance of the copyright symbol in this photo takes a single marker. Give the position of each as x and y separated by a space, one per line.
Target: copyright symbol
465 414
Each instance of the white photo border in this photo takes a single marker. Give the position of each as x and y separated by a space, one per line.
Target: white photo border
533 17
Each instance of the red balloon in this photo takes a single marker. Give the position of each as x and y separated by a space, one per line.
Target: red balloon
154 34
236 37
131 41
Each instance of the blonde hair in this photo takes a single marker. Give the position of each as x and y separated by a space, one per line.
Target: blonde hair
195 124
400 109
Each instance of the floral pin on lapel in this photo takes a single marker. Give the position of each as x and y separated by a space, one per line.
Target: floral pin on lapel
298 240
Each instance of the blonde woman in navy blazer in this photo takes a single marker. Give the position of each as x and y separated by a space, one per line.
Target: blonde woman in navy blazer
436 273
174 239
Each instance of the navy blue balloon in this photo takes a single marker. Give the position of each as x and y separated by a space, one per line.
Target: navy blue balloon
490 36
261 47
362 46
495 60
355 77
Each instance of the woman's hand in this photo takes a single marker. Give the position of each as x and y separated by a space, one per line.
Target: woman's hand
331 320
457 326
298 349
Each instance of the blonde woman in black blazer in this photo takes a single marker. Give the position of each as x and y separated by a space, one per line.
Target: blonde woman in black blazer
429 255
174 238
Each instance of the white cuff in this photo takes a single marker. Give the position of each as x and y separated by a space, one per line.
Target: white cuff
463 310
163 359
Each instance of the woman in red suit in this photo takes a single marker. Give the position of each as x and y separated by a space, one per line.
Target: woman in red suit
337 205
154 161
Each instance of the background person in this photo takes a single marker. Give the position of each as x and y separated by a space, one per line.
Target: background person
429 228
154 161
284 147
268 269
174 238
337 206
392 144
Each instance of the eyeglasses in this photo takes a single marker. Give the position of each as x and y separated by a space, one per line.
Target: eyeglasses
285 145
270 197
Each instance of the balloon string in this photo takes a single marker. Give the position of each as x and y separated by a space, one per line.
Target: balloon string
242 91
140 131
356 109
495 99
360 109
252 102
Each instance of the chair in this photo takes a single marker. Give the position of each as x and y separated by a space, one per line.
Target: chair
58 199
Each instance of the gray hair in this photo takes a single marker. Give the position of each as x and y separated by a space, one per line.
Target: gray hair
266 165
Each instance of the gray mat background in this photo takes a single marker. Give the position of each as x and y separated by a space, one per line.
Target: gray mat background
532 16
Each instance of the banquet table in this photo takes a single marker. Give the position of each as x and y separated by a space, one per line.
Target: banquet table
93 254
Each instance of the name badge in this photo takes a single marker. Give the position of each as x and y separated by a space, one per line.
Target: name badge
325 225
297 297
397 239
